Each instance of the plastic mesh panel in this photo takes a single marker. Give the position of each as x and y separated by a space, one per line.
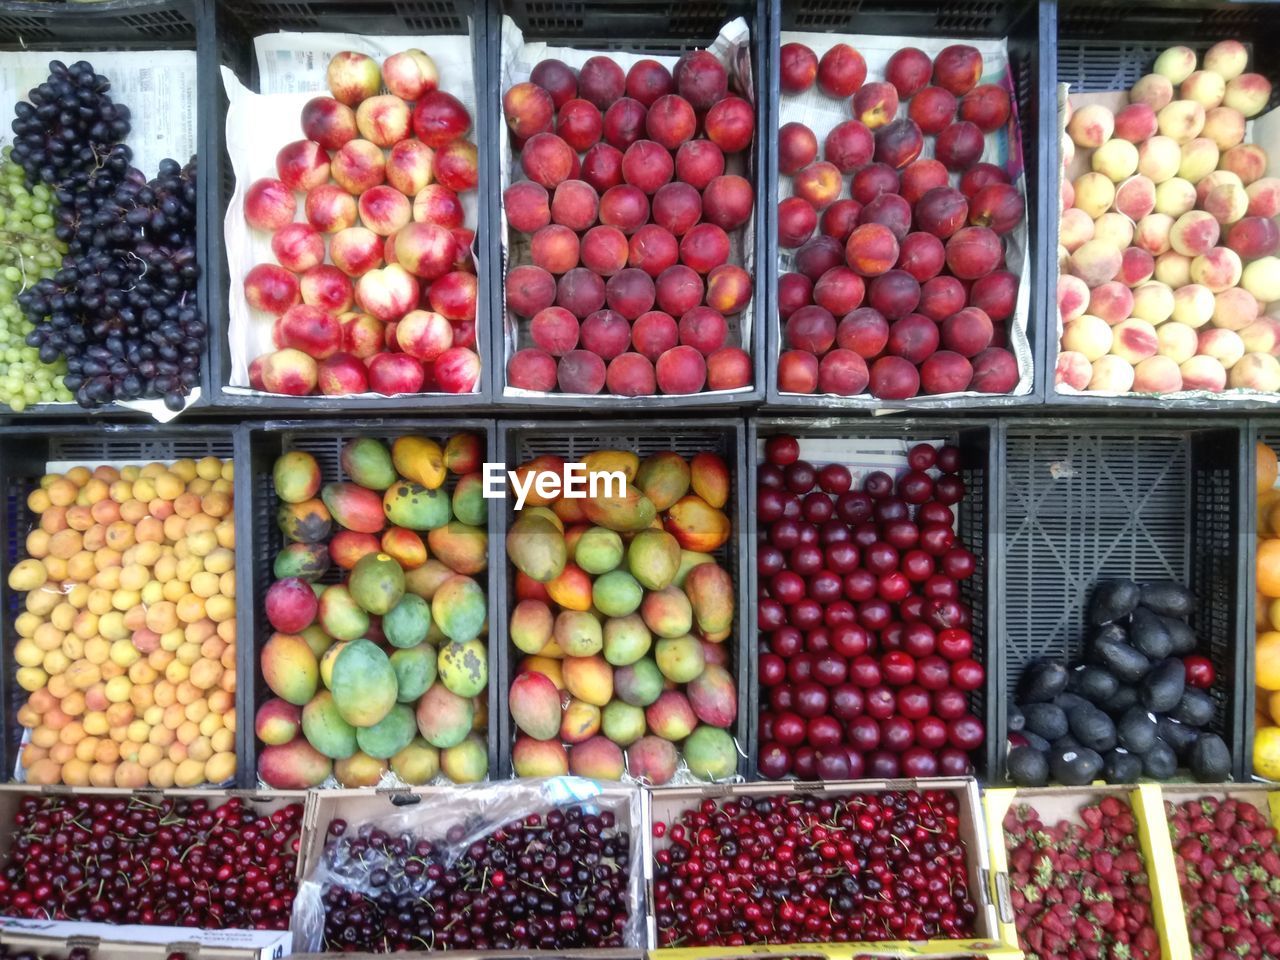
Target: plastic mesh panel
1086 507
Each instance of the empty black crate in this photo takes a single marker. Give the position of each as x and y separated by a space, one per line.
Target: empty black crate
1140 500
258 447
975 530
1108 47
521 441
24 454
1027 25
642 29
138 28
235 25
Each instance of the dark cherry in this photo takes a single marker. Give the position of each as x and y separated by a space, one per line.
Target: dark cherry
800 477
922 456
847 701
773 669
949 490
835 478
950 703
782 451
863 732
878 485
839 613
854 506
850 640
896 734
931 732
933 673
811 699
770 475
817 507
786 641
859 585
949 459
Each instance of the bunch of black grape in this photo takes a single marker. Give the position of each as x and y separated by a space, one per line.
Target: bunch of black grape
122 309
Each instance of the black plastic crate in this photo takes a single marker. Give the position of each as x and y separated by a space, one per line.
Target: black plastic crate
1107 47
976 521
1085 501
1259 432
521 441
235 24
1029 27
24 453
643 27
258 445
134 26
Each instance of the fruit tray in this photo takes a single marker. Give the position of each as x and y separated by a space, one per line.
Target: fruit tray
1055 804
248 943
260 445
454 820
1262 798
27 451
121 949
665 804
153 25
1084 502
573 440
627 33
1106 48
235 25
884 446
1028 29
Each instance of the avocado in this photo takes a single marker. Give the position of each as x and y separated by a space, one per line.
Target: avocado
1195 709
1162 688
1126 697
1177 735
1016 720
1128 665
1041 682
1092 728
1069 700
1116 632
1159 763
1045 720
1136 730
1148 634
1167 598
1182 638
1093 683
1074 764
1210 760
1035 741
1112 600
1120 766
1028 767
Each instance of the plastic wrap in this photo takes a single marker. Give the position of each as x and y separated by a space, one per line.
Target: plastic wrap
453 818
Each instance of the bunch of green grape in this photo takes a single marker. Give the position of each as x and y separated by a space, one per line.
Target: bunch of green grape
29 250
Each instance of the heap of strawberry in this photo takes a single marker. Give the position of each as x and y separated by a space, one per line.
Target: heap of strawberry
1080 890
1229 871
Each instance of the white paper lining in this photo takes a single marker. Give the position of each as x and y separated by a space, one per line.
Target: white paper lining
292 69
1003 148
1263 130
518 59
159 88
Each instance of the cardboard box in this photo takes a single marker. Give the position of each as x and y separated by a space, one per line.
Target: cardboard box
497 802
253 944
1064 803
241 945
666 803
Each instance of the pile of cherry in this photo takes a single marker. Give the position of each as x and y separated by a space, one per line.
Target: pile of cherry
165 861
831 869
866 655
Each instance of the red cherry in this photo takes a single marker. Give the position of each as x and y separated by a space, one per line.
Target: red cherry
918 640
860 585
915 487
898 668
950 703
1200 671
893 587
933 673
917 565
897 734
853 507
850 641
863 733
773 669
786 641
955 643
880 703
878 484
865 672
949 458
931 732
902 534
958 563
949 490
967 674
913 702
966 732
935 512
835 478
